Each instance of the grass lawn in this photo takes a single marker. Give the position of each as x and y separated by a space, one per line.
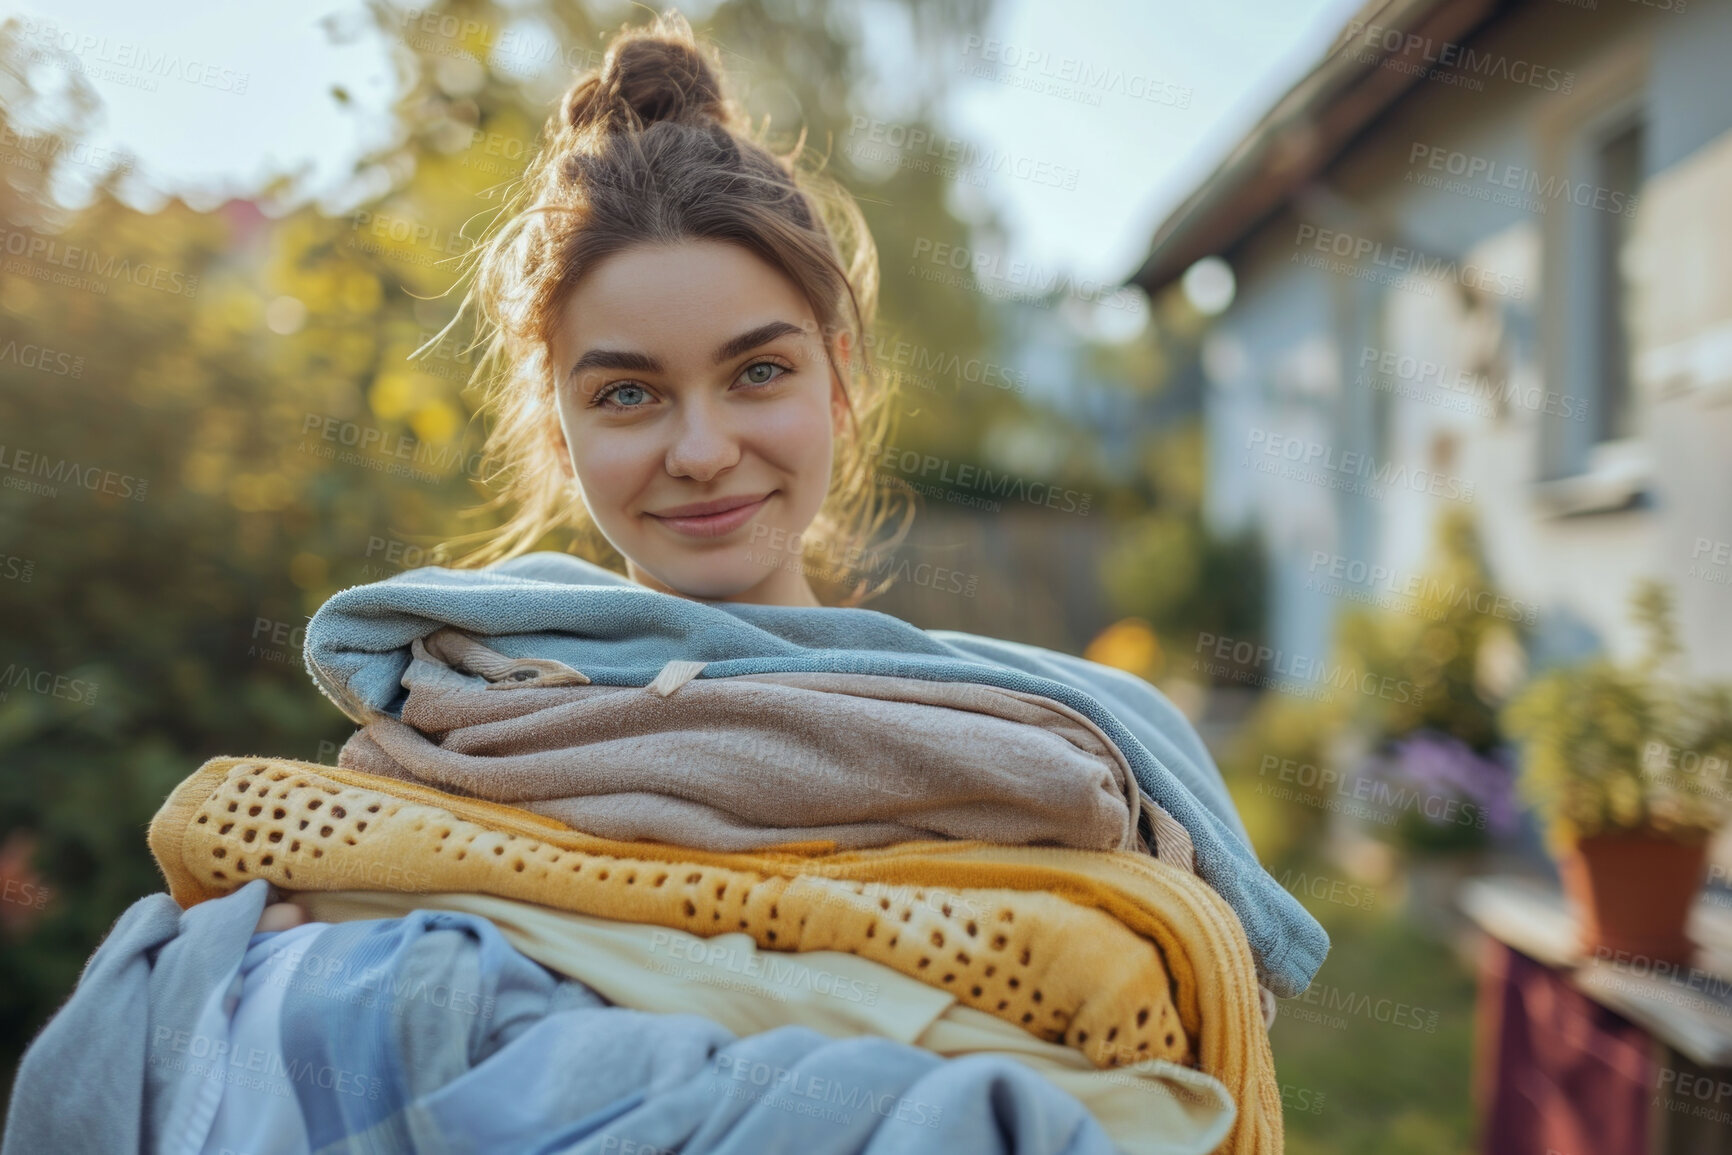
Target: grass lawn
1374 1076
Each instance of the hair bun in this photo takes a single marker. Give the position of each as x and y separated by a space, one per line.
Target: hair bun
651 74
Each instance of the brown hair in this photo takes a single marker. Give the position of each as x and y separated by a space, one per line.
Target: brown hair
647 149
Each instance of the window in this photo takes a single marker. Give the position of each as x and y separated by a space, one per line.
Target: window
1617 168
1592 155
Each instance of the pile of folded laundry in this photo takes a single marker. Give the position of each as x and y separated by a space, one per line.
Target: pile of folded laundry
609 870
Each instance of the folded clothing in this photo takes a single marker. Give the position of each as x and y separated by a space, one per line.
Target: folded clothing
994 939
1153 1108
752 761
552 608
1121 956
430 1033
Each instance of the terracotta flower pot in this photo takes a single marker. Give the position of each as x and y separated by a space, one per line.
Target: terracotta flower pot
1633 892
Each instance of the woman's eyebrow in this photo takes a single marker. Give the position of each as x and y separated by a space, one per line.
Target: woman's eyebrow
616 359
644 363
752 338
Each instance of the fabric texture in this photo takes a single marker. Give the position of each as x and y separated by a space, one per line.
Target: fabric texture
748 762
100 1041
1121 956
315 828
429 1033
268 1120
553 607
1153 1108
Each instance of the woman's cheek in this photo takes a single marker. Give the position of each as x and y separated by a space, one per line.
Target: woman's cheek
612 470
796 438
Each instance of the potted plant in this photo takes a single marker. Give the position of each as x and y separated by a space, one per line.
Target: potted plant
1628 765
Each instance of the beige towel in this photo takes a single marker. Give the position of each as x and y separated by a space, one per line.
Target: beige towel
748 762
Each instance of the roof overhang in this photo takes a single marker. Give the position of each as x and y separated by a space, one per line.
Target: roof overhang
1310 126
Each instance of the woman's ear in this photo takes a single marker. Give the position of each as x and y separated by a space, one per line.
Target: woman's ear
563 451
557 442
838 391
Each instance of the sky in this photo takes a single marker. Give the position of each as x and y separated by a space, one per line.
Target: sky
1107 112
1213 68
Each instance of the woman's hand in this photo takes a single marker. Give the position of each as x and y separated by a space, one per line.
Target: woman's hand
279 915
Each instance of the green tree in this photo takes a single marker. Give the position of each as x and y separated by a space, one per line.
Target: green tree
226 427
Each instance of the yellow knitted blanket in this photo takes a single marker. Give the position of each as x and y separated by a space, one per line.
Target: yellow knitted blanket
1121 956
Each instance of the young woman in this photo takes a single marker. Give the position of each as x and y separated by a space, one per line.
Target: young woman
677 344
677 363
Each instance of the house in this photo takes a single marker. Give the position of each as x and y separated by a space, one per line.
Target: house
1482 257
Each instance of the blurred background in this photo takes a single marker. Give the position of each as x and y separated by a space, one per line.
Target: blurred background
1360 374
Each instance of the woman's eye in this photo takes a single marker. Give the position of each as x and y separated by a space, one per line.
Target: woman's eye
626 396
762 373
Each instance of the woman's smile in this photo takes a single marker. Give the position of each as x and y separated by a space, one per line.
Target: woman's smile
712 518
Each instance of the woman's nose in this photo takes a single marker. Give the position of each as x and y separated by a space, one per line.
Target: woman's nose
703 445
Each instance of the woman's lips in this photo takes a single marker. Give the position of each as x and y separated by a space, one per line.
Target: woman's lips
712 518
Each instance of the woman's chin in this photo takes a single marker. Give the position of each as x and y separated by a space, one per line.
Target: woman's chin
715 577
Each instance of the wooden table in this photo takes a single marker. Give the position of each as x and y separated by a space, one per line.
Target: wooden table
1598 1056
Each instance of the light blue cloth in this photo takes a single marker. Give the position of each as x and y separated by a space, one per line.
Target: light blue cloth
430 1033
257 1112
550 605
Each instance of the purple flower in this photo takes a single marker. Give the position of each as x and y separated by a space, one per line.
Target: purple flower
1434 764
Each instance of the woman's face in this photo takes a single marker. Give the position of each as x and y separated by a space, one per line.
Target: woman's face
698 410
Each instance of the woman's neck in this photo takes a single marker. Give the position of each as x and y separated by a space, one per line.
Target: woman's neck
782 586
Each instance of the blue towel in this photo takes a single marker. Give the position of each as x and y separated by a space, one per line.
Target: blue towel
429 1033
551 605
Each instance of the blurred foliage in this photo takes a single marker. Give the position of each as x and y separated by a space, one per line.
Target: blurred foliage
1445 655
1639 748
1438 645
1452 652
1166 567
1280 733
220 425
